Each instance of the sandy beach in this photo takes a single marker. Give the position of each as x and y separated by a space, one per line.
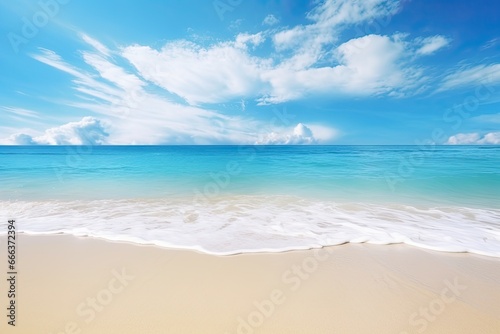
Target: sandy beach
82 285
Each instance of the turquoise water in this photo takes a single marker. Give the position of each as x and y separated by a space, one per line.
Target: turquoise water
447 174
310 193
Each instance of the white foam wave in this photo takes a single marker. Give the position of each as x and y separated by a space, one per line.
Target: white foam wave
261 223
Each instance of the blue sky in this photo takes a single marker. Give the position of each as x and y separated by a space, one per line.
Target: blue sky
250 72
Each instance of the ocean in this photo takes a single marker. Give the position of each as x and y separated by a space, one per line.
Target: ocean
236 199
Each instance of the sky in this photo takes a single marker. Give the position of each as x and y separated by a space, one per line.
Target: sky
346 72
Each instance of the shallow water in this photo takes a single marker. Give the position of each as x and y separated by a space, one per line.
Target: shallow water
230 199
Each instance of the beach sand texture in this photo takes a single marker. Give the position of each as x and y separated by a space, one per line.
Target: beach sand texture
83 285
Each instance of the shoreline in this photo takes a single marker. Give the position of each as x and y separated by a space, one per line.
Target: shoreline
259 224
72 284
199 250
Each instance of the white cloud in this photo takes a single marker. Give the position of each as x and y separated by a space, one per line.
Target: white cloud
304 60
307 60
215 74
140 115
491 43
51 58
492 138
88 131
477 75
430 45
21 112
243 40
291 38
373 67
304 63
85 82
327 19
463 139
96 44
227 71
113 73
299 135
19 139
366 66
270 20
337 12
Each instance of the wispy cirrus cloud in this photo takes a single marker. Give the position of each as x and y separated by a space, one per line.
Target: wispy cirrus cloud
101 48
430 45
21 112
491 43
476 75
368 65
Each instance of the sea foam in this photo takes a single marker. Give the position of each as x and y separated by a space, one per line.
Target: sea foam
242 224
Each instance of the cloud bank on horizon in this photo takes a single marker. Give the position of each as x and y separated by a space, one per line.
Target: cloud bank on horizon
318 81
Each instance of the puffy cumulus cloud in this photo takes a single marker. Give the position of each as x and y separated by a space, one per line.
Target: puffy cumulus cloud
88 131
305 60
430 45
299 135
492 138
19 139
373 62
367 65
463 139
